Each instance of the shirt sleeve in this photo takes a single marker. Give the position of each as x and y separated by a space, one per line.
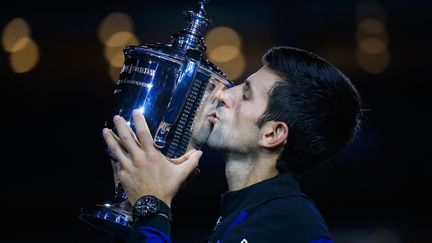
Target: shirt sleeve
155 229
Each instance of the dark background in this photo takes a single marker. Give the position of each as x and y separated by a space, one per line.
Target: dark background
52 153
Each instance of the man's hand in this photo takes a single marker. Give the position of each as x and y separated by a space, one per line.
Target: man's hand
143 170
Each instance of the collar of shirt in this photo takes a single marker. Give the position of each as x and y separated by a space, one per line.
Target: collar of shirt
284 184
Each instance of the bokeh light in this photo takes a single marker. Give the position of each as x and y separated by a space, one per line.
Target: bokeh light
224 50
233 69
373 63
114 56
371 26
223 53
122 38
16 31
20 44
372 54
372 45
26 58
113 23
114 73
360 35
222 36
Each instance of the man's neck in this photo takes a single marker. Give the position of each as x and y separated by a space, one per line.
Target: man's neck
243 170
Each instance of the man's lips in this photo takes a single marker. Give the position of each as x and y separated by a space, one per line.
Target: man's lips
212 117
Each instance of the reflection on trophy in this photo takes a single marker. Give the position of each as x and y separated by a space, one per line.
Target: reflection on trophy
167 83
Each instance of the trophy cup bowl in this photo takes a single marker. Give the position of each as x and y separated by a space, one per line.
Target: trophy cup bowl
167 83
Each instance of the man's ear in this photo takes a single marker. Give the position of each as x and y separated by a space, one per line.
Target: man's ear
273 134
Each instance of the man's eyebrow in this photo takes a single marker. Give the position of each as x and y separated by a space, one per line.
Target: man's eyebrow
247 85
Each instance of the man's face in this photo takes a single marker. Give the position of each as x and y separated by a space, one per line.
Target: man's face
234 121
201 126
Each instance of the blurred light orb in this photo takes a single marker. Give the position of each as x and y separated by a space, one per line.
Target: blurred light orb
373 45
122 38
360 35
20 44
26 58
114 73
114 56
373 63
371 26
16 31
234 68
222 36
223 53
113 23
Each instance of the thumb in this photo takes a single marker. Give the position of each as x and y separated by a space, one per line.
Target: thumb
191 163
182 158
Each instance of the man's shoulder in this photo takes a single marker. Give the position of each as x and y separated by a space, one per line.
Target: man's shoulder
286 219
298 213
292 205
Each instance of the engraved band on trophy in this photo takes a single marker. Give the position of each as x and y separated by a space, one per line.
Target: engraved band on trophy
166 82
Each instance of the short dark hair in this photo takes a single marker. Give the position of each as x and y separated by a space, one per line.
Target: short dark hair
319 104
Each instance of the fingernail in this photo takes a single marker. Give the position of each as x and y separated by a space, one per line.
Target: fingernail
116 117
136 112
105 130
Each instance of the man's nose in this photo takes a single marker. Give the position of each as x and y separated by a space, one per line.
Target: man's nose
224 98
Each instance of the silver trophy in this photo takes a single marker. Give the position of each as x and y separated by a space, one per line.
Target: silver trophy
167 82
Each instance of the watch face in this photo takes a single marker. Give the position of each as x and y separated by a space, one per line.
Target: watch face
146 206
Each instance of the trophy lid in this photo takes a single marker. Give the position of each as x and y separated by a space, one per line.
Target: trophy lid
192 37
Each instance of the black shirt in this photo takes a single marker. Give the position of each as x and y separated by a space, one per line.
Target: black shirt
273 210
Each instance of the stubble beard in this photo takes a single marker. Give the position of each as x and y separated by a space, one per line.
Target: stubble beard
200 134
216 140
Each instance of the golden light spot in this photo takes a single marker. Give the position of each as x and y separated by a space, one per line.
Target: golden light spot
371 25
113 23
122 38
223 53
360 35
114 56
222 36
234 68
114 73
20 44
15 31
373 63
25 59
372 45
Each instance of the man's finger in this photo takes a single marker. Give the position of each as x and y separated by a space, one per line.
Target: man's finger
142 130
183 158
191 168
132 134
189 165
125 135
115 148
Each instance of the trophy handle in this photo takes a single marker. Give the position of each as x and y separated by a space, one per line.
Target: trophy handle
178 98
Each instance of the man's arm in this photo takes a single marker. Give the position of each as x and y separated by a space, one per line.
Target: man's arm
153 230
143 170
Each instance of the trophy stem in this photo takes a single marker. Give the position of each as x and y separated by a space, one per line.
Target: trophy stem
113 218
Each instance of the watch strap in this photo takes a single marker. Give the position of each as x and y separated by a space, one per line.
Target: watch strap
162 209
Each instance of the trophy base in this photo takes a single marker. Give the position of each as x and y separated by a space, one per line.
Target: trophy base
108 218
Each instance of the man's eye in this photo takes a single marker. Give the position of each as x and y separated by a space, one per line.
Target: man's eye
211 86
245 97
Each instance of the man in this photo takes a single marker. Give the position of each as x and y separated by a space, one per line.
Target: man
293 114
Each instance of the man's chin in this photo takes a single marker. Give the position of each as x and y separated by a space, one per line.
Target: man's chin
201 135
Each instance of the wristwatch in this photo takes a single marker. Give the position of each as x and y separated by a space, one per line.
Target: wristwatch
147 206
